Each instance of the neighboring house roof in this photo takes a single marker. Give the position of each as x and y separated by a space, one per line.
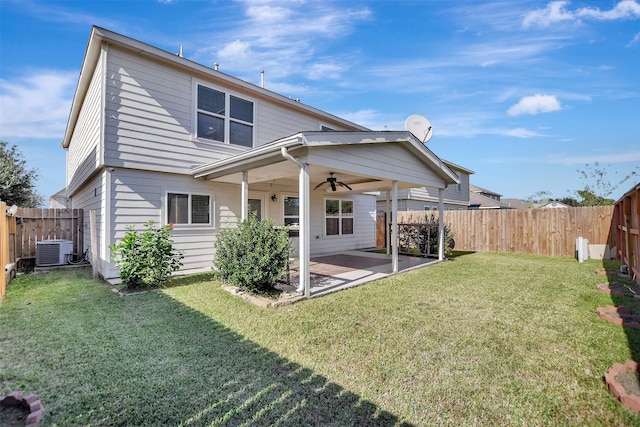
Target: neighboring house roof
101 35
62 194
551 205
480 190
478 201
516 203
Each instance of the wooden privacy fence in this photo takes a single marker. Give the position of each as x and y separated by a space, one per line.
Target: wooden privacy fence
550 232
7 247
36 224
627 229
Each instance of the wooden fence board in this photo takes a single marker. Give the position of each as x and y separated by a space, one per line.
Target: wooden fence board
7 248
37 224
550 232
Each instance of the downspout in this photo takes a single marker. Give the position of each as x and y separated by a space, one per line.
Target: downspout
303 183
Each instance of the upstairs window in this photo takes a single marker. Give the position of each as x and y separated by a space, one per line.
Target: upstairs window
185 208
224 118
338 217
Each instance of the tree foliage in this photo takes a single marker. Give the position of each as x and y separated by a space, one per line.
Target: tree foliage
600 184
17 181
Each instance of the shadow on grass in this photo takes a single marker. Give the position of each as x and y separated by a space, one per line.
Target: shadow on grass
253 385
149 359
612 269
458 254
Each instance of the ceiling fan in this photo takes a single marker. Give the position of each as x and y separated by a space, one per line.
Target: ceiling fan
332 181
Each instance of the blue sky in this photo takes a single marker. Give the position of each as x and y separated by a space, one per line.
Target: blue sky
523 93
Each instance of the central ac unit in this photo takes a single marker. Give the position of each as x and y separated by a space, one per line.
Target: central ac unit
53 252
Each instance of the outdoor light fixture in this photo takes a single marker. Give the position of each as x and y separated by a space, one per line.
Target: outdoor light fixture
274 198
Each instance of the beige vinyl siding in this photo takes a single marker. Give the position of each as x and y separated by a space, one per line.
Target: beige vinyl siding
450 194
91 197
139 196
364 225
401 164
83 157
275 122
150 117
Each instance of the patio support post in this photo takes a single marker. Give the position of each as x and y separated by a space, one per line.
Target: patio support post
244 199
440 224
305 218
387 223
394 225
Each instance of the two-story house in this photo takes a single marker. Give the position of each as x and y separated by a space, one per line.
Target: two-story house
154 136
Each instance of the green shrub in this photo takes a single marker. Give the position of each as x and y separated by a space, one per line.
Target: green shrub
147 258
252 256
423 238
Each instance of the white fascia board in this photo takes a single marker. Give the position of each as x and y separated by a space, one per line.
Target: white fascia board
457 167
249 156
91 57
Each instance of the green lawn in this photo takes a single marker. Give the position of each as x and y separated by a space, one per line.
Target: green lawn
485 339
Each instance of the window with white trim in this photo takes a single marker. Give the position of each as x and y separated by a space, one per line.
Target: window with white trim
187 208
338 215
459 185
224 117
291 211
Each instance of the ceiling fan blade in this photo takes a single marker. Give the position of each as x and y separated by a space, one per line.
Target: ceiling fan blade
344 185
333 186
319 185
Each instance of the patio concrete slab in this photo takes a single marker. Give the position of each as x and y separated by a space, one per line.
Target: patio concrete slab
342 270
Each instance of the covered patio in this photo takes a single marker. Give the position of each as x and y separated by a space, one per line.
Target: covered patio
347 269
367 163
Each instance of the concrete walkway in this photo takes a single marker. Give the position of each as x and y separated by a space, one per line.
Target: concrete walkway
342 270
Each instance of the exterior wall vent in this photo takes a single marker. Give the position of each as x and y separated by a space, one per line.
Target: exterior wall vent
53 252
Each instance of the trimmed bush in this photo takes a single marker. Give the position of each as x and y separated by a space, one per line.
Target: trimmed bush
253 256
147 258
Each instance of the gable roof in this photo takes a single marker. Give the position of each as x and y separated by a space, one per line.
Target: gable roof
480 190
269 154
100 36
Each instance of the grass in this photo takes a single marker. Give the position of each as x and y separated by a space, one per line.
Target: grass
485 339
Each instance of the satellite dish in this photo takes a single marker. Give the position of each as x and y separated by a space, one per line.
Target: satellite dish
420 127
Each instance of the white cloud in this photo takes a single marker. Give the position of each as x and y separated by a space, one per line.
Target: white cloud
611 158
519 133
557 11
36 105
283 38
534 105
635 40
554 12
627 9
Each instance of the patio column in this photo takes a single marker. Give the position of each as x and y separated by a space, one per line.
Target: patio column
244 198
440 224
387 223
394 225
304 258
305 219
